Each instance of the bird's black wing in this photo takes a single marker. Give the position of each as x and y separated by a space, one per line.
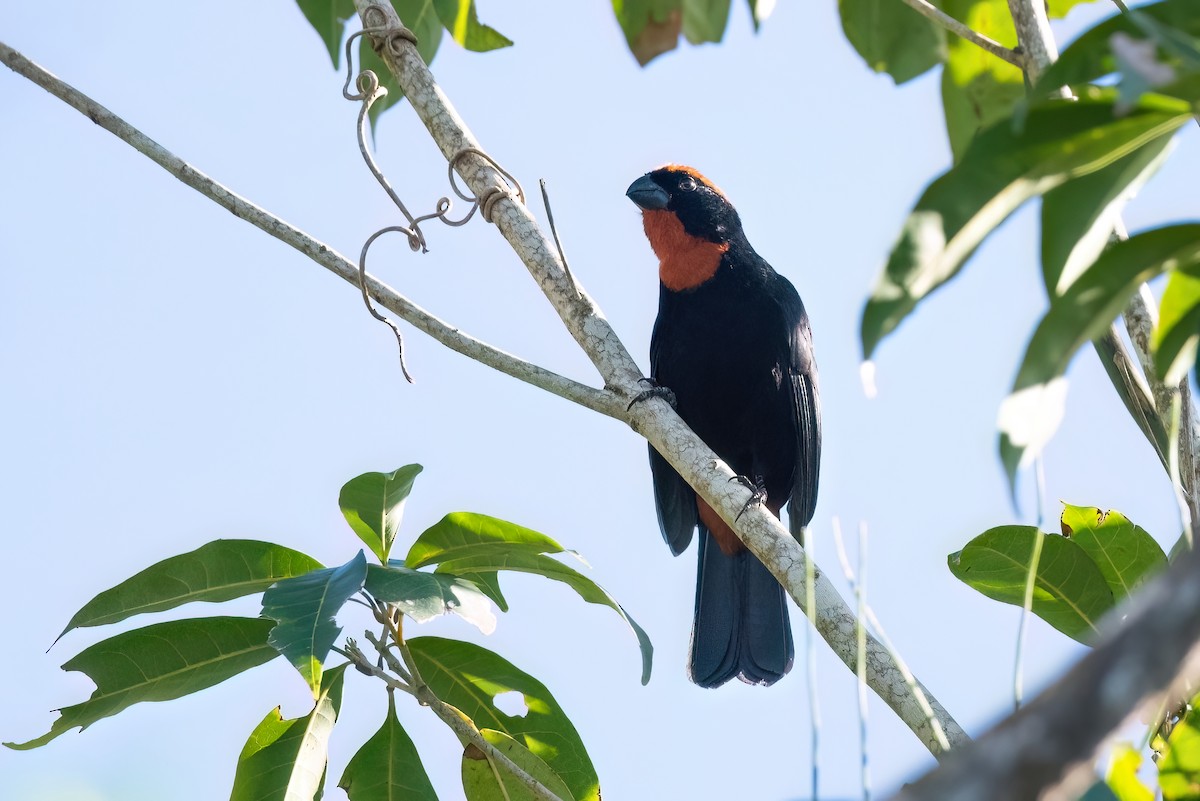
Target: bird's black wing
674 500
806 408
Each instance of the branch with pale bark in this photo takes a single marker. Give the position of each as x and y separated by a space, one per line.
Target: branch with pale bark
654 419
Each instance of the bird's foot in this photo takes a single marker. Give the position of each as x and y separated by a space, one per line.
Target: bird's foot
655 390
758 492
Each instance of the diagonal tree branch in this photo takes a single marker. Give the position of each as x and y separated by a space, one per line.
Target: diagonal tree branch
932 12
654 419
594 399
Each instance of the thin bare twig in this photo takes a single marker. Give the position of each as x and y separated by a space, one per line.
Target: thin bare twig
932 12
450 336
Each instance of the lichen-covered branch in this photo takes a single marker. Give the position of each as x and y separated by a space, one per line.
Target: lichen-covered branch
595 399
654 419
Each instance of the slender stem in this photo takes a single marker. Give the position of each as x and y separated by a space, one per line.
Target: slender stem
461 726
1030 583
450 336
932 12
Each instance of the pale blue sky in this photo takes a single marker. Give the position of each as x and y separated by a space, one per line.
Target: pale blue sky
175 376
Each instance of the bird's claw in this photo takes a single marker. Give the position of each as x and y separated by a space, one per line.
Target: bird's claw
655 390
758 493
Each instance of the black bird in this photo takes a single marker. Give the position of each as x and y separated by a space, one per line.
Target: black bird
732 342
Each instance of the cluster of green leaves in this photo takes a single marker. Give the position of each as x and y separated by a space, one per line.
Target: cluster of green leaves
429 20
1082 573
1176 749
1084 157
452 567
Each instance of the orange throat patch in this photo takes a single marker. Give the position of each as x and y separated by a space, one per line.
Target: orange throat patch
684 261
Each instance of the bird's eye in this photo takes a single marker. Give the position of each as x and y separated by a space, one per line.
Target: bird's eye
688 184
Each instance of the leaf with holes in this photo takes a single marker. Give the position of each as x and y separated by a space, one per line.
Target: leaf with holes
892 38
484 780
219 571
1125 553
1031 413
160 663
1069 593
387 767
424 596
285 760
469 677
1001 171
303 608
373 505
462 21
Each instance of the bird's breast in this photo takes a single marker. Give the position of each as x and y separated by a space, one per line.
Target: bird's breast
684 261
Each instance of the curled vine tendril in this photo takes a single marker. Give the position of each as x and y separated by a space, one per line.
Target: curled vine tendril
368 90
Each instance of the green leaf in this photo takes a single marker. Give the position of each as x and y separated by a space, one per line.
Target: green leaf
1179 768
303 608
705 20
1001 170
159 663
484 780
424 596
1125 553
373 505
463 23
1180 547
759 11
651 27
542 565
489 585
1122 776
1090 57
387 767
284 760
420 17
328 18
1099 792
1030 415
460 535
1057 9
1178 331
469 677
1078 217
892 38
978 89
218 571
1069 593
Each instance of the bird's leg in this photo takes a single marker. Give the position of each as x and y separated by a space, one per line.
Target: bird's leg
758 492
655 390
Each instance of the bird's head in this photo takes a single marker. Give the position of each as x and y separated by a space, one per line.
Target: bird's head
688 221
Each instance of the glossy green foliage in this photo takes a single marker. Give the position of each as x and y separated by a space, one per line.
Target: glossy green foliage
387 767
1178 330
1082 573
303 609
373 505
218 571
478 547
1002 169
284 760
484 779
1179 766
159 663
892 38
1029 416
424 596
469 678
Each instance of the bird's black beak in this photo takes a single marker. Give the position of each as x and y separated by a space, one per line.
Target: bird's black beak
647 194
